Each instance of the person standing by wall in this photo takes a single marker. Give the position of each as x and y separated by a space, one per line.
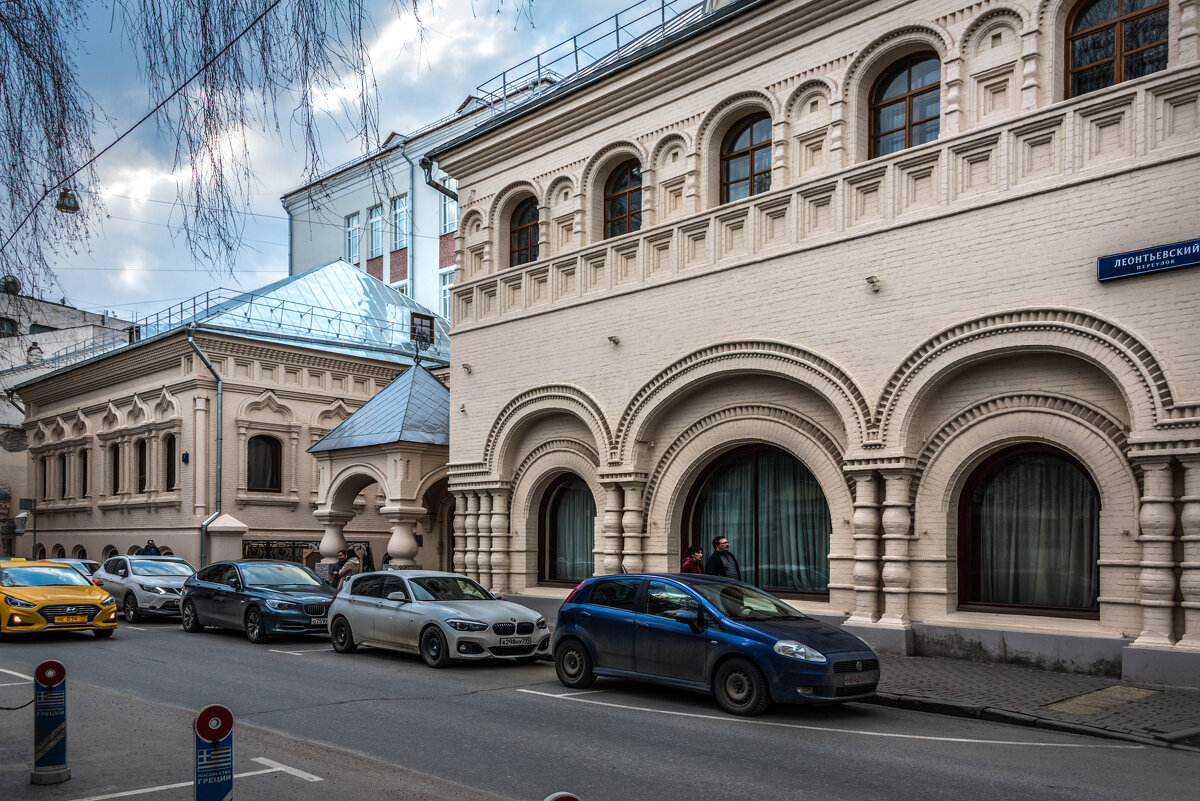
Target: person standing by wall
722 562
692 563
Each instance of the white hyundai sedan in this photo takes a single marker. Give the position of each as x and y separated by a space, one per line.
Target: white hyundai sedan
441 616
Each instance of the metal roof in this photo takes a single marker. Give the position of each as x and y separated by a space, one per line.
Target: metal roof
415 407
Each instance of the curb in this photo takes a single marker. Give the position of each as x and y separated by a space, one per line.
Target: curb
938 706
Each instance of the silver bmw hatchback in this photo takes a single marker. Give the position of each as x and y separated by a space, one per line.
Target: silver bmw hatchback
441 616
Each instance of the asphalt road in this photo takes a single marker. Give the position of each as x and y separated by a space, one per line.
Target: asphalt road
377 724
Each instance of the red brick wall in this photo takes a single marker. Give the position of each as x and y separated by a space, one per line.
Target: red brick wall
446 251
375 267
398 266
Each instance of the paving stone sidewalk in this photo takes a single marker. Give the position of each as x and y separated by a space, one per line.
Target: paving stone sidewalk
1166 716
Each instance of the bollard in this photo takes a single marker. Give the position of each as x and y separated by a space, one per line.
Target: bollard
50 724
214 754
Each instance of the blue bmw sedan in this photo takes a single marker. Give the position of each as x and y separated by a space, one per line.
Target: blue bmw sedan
262 597
711 634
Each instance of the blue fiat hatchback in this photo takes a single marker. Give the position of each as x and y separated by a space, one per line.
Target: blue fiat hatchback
711 634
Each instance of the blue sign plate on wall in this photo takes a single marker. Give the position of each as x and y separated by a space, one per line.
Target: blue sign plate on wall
1148 260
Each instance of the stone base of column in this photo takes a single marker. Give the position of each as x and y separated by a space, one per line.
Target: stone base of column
884 637
1170 665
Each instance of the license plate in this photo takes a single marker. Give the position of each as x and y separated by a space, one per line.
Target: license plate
71 619
516 641
854 679
318 621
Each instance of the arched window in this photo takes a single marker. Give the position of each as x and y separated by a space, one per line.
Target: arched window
83 474
169 462
44 478
623 199
905 104
140 450
568 525
774 514
59 552
746 158
8 327
1028 537
114 467
62 475
1109 41
263 465
523 233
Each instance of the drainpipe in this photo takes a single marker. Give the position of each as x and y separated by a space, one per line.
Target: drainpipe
412 215
427 166
10 392
220 442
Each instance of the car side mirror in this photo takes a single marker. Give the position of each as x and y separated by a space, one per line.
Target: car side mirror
690 618
235 582
499 596
397 596
98 582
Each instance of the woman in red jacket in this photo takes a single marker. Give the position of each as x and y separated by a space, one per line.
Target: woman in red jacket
693 563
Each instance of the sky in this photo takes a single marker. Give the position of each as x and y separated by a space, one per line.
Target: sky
138 264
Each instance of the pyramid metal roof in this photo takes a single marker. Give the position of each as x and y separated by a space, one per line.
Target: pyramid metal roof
415 407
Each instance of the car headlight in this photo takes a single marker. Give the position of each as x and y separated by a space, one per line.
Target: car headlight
794 650
154 588
467 625
108 600
279 606
17 603
541 623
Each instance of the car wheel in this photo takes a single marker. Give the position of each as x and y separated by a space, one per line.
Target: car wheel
256 629
741 688
103 634
189 618
343 637
573 665
434 650
130 608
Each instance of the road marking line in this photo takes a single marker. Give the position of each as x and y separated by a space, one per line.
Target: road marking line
131 626
571 697
272 767
300 653
18 675
16 684
575 695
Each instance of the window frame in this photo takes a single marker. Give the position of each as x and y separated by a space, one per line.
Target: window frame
748 152
142 456
531 250
446 290
629 166
375 231
114 466
1119 54
449 209
170 473
277 456
548 549
353 234
908 62
400 222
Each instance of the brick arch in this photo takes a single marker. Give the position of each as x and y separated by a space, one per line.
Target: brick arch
729 359
1020 16
559 444
595 175
1120 354
660 147
532 404
712 129
552 461
506 199
345 486
826 86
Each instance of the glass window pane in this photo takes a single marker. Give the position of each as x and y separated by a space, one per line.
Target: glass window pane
925 106
892 86
635 175
762 131
762 183
925 132
1096 13
1131 6
616 227
1145 31
926 73
1093 48
635 200
737 191
616 207
533 252
664 600
740 140
1146 62
520 238
635 221
762 159
737 168
1091 79
889 143
889 118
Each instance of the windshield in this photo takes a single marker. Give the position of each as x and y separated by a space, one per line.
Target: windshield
154 567
268 575
743 602
42 577
448 588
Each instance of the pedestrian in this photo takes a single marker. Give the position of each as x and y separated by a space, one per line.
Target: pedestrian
335 567
692 563
149 549
349 568
722 562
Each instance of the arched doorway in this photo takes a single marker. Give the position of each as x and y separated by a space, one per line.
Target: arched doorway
567 526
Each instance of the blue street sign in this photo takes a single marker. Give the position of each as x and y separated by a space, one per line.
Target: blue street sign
214 754
50 724
1148 260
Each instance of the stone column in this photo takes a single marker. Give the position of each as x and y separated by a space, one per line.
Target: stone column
333 521
896 520
1030 69
458 533
649 196
613 510
866 549
837 135
499 560
631 527
471 551
1157 579
1189 30
485 538
402 547
1189 580
953 113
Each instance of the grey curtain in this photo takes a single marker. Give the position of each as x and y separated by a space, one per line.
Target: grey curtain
572 525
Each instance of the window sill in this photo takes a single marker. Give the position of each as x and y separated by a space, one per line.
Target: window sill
250 498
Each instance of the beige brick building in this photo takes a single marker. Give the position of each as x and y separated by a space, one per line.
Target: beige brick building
821 276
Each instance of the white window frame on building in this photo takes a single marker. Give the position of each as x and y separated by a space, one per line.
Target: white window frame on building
449 207
446 282
352 237
400 222
375 224
402 288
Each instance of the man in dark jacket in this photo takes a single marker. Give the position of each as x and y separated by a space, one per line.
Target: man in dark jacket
722 562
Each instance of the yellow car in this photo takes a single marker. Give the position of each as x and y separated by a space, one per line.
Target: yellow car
49 596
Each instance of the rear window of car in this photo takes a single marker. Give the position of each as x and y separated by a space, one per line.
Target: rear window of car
615 593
